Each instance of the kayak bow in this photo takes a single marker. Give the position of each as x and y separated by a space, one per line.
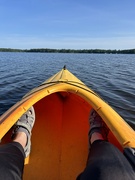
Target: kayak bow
59 138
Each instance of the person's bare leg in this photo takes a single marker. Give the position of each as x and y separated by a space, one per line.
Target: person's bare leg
96 136
21 138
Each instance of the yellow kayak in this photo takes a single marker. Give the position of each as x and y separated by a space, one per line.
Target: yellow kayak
60 134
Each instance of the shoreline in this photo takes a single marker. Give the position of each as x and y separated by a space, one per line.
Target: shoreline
88 51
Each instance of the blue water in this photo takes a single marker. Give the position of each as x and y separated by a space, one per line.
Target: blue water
112 76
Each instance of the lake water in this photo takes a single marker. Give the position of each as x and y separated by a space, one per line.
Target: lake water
112 76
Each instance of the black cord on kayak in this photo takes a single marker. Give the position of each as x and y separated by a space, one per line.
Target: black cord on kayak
68 82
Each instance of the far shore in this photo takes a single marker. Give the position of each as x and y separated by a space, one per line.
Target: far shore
90 51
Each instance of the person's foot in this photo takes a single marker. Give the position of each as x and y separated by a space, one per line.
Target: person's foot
25 124
97 125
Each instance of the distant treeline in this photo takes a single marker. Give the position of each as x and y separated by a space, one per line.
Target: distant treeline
94 51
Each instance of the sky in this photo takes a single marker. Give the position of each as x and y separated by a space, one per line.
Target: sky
67 24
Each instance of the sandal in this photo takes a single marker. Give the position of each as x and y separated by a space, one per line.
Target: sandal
25 124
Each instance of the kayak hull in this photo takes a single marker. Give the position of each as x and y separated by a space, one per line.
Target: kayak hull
60 135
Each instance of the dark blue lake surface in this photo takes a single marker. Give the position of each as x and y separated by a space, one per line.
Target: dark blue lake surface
112 76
